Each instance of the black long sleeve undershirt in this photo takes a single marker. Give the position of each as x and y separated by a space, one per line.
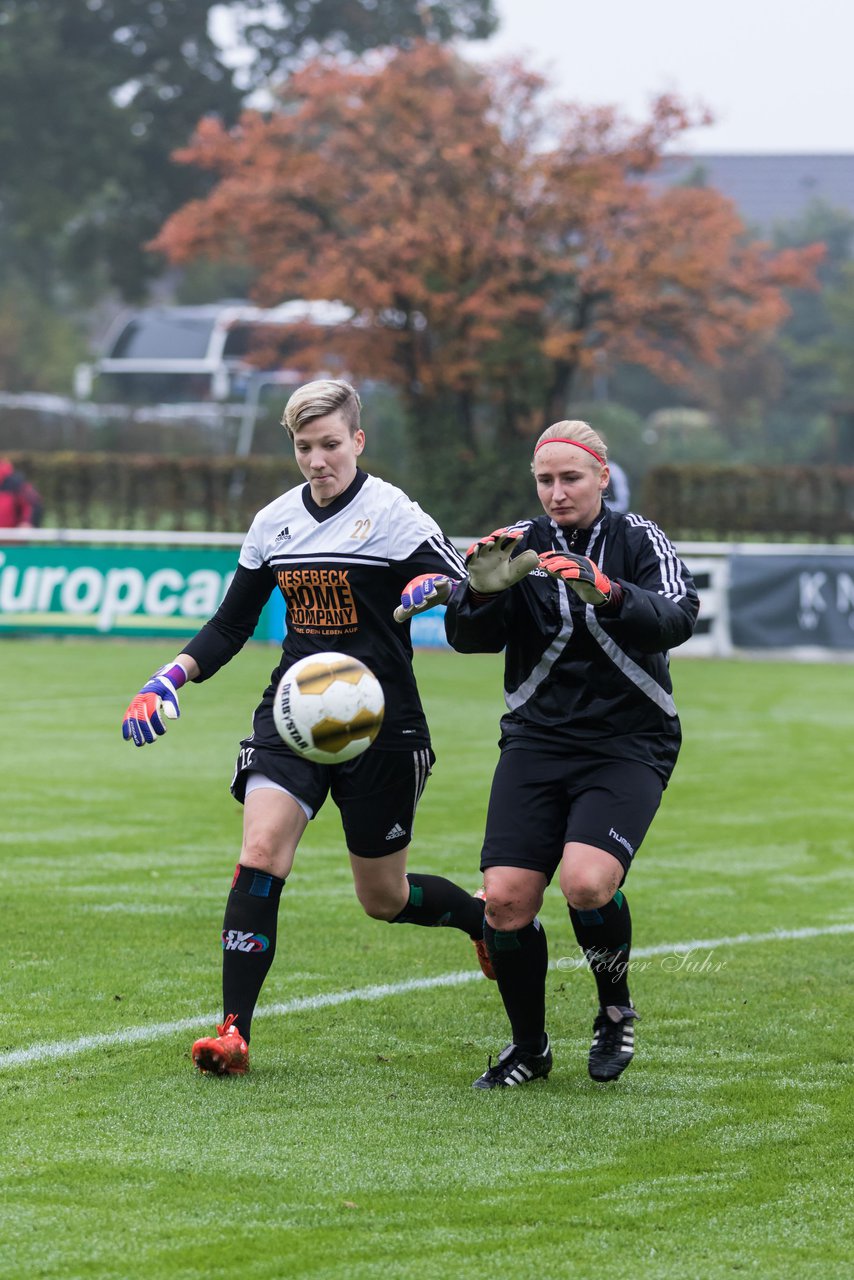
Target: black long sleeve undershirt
234 622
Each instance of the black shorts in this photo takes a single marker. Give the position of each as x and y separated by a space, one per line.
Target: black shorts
539 802
377 792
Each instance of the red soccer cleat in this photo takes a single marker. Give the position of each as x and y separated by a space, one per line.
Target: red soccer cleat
225 1055
484 959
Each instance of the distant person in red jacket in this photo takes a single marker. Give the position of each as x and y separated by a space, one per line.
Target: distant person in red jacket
20 503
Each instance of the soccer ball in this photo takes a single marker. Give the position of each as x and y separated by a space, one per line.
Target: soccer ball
328 707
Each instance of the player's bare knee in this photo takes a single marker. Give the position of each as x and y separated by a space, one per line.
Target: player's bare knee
587 891
507 912
381 910
380 906
261 851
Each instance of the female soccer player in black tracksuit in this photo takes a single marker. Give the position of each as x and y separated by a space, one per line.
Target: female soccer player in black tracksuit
586 603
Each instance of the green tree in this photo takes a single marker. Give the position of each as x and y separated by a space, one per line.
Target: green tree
38 346
93 98
838 345
95 95
773 398
810 375
280 39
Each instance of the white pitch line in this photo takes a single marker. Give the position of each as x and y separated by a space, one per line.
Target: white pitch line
131 1035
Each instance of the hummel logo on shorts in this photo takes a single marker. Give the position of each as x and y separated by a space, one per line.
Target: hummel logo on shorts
396 832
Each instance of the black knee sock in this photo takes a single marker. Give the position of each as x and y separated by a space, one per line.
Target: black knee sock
605 937
248 941
521 959
433 901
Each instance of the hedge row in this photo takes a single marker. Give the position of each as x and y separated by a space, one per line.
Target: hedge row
730 502
142 491
148 491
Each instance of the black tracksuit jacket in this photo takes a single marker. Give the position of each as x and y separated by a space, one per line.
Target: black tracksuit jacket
577 680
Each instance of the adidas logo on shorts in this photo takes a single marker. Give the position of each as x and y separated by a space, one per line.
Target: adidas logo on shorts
396 832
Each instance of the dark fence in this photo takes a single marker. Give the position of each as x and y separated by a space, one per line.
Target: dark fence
724 503
148 491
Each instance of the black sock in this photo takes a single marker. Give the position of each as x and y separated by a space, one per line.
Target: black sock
520 959
605 937
433 901
248 941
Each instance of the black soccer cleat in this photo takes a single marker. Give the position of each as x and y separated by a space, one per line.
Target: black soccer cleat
515 1066
613 1044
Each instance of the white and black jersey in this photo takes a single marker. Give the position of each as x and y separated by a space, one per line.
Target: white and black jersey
341 570
581 679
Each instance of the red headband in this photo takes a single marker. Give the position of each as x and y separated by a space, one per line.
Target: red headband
578 445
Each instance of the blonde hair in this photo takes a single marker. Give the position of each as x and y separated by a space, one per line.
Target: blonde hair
317 399
577 432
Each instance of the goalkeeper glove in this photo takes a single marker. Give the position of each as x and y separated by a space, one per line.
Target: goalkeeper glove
491 565
157 698
423 592
579 572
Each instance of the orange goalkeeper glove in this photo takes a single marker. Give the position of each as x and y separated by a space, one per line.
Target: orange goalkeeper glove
579 572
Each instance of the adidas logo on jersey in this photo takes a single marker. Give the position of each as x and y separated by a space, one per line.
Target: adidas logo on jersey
396 832
284 536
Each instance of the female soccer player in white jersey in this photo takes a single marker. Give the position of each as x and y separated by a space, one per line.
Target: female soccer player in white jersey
344 549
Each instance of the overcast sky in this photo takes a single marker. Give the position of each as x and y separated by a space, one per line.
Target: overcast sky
778 76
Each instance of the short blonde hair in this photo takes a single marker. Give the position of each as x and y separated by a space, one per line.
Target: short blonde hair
577 432
317 399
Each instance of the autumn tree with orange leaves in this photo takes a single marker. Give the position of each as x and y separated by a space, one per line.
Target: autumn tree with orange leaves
490 243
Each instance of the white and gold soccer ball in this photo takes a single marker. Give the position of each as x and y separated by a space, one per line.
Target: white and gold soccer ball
328 707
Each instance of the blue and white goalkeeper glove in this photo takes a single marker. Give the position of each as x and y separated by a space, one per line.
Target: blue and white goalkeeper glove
423 592
156 700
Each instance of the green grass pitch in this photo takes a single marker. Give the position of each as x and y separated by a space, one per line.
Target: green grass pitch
356 1147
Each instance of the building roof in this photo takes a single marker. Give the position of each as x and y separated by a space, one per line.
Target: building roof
768 189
